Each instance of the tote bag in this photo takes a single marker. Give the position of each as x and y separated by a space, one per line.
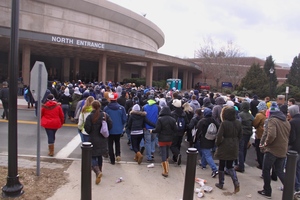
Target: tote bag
104 128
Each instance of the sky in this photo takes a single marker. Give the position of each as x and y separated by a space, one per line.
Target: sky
259 28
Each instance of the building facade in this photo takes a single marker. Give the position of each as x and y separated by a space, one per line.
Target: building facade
90 40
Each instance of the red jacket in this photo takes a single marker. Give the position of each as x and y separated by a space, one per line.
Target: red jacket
52 116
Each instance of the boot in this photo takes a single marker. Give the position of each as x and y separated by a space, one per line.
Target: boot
235 181
139 157
165 171
51 149
221 180
98 173
167 161
135 158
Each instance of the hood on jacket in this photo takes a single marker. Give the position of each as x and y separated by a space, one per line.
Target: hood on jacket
165 111
151 102
138 112
245 106
278 115
228 113
50 104
293 110
114 105
220 101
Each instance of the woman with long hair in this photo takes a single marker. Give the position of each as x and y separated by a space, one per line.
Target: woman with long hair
93 126
86 110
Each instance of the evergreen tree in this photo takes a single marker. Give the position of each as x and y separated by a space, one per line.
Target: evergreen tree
255 81
294 74
273 82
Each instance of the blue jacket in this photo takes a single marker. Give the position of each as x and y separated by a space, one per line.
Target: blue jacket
152 110
118 116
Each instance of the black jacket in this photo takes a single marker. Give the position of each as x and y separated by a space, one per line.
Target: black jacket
137 120
98 141
166 126
177 112
294 139
4 94
202 128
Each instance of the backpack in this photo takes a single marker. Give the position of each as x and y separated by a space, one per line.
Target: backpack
180 124
211 132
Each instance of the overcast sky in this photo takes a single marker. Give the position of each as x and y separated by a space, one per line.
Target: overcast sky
259 27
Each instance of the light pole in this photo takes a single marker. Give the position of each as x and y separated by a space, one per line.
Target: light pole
271 72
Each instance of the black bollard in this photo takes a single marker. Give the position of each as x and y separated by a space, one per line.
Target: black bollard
190 172
289 180
86 181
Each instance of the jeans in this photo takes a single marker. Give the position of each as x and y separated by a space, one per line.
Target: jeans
65 108
269 161
243 151
297 181
149 143
208 159
97 161
164 150
84 138
111 140
197 146
135 142
51 135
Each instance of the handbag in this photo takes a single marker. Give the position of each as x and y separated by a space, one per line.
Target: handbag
104 128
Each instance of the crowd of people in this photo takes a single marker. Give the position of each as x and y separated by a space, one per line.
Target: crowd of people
218 126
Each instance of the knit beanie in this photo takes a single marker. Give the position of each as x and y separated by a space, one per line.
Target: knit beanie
136 107
293 110
274 107
207 112
262 106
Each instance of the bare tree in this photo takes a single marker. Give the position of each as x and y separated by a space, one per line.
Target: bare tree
220 63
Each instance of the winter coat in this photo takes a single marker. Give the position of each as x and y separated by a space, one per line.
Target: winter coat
246 118
65 99
253 107
98 141
152 110
176 113
229 135
195 105
276 136
75 99
137 120
216 111
117 114
202 128
82 119
294 140
166 126
258 123
52 116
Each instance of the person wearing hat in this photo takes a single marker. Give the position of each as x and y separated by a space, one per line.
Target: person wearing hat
274 143
182 125
4 96
117 114
52 118
152 110
294 139
258 124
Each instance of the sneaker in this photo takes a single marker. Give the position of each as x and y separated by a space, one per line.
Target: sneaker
214 174
118 158
152 155
263 193
178 159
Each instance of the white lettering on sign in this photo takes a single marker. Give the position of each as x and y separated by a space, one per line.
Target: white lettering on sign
62 40
90 44
66 40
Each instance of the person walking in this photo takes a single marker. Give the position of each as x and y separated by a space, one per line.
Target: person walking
65 99
52 118
117 114
76 97
294 139
274 143
93 126
4 96
136 123
227 142
206 145
86 110
166 129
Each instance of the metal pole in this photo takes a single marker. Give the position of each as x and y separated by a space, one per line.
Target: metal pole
38 149
190 172
13 187
289 179
86 180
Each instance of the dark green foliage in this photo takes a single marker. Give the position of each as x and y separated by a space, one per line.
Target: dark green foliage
255 82
142 81
294 91
294 74
274 82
